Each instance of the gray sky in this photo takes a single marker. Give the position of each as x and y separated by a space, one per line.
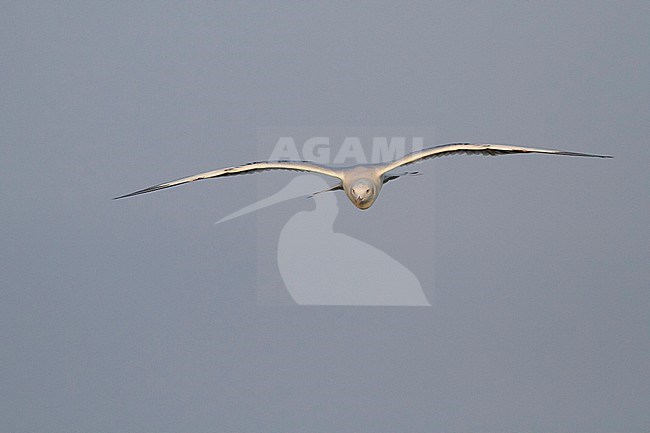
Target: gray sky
141 315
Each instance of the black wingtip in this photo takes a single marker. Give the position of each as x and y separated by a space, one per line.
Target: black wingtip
122 196
589 155
142 191
130 194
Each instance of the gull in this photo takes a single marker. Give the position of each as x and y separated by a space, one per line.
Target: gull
363 182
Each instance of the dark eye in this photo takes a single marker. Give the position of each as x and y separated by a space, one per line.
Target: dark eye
368 190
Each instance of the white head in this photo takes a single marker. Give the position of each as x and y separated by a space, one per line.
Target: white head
362 193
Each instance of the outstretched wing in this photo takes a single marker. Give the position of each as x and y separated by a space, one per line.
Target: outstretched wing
251 167
475 149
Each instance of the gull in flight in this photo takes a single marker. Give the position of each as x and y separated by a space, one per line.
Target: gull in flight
362 183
